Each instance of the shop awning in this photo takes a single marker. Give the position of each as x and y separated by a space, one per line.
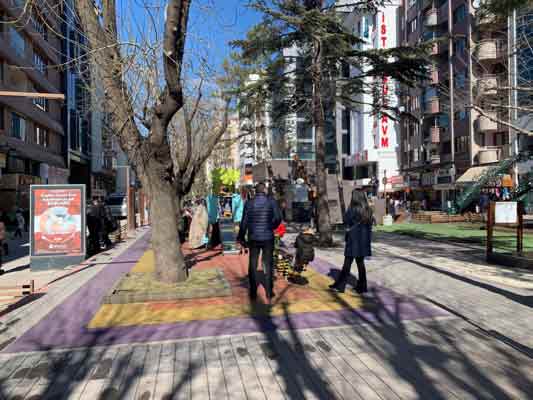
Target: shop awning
473 174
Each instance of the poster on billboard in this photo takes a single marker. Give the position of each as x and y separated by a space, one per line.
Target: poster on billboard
57 220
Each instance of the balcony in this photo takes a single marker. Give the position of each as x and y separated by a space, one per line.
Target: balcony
487 21
490 50
435 133
431 18
488 85
489 155
487 125
432 106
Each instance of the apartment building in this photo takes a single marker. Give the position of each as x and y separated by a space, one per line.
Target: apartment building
77 89
31 129
444 141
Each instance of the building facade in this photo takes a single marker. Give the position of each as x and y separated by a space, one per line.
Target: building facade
443 135
77 89
32 135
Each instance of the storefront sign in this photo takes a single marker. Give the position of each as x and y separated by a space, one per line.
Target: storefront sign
506 212
57 214
396 180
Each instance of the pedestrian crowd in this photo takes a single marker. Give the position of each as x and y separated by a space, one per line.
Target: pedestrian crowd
259 222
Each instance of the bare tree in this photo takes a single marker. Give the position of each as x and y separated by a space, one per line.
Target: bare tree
142 113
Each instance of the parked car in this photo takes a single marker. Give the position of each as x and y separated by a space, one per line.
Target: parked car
118 204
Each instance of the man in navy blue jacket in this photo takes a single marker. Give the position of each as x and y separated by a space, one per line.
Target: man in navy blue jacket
260 218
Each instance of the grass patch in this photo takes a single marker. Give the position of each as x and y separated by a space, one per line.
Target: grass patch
473 234
138 287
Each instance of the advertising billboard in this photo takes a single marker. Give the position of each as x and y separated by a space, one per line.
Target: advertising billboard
57 221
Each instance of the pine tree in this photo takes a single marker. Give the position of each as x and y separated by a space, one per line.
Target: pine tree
311 83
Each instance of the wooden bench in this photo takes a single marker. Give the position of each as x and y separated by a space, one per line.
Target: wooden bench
10 293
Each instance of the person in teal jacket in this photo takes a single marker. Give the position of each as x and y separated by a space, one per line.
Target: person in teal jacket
237 207
213 215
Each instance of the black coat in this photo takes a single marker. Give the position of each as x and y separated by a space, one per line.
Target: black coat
261 217
305 252
358 236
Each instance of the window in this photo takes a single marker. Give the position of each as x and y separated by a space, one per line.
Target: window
304 130
18 126
430 93
461 144
41 103
412 3
443 121
412 25
460 115
460 80
500 139
459 14
305 150
345 69
17 41
345 117
346 143
446 147
39 26
459 45
41 136
39 63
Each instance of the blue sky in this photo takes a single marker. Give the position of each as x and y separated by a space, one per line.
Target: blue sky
213 23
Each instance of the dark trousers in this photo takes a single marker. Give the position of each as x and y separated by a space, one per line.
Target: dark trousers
214 239
18 232
266 248
341 281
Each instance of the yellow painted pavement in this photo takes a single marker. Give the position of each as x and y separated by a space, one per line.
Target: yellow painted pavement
317 298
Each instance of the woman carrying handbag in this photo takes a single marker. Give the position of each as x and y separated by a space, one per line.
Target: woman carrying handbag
358 225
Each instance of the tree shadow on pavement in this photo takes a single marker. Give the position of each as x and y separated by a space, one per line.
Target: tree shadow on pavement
92 372
293 366
520 299
434 358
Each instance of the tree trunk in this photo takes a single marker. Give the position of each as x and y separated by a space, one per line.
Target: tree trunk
319 122
340 187
170 264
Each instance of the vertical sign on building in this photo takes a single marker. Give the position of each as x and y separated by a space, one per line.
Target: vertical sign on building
384 123
57 226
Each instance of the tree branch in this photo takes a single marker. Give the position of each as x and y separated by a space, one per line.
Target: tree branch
171 100
500 121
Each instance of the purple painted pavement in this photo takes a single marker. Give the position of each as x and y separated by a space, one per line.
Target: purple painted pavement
66 325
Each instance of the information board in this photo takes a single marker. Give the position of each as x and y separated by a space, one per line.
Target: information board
506 212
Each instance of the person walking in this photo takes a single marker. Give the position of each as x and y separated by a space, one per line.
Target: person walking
237 206
358 225
95 219
260 218
110 224
21 223
213 216
198 225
